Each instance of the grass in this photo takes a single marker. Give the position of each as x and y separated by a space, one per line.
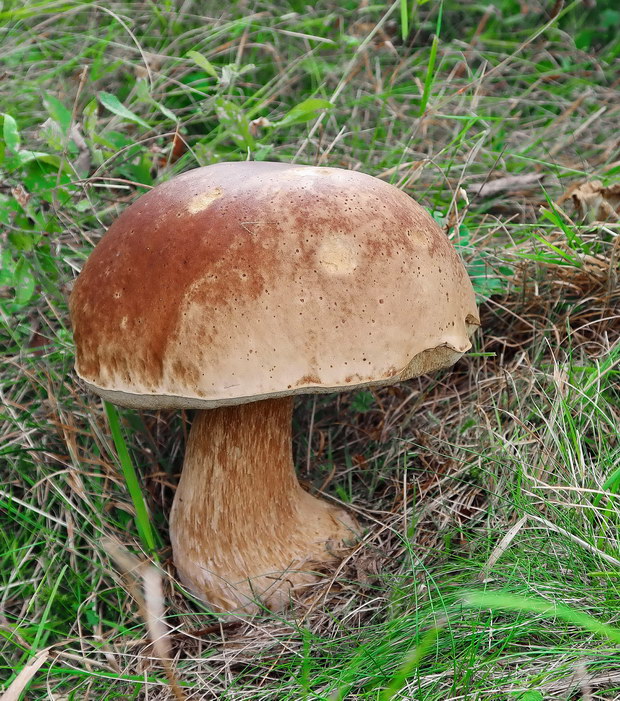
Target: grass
490 564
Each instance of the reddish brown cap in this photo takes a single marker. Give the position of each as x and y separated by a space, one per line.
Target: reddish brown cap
241 281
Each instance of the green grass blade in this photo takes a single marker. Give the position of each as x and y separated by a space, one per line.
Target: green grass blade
42 626
430 72
411 662
428 82
510 602
131 479
404 19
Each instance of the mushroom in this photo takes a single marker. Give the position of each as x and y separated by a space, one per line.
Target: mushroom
228 290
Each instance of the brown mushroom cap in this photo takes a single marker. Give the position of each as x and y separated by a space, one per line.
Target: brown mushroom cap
242 281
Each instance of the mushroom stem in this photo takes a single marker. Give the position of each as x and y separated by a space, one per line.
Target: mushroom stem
243 531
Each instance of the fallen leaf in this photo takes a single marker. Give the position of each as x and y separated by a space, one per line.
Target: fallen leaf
20 194
597 203
367 568
260 123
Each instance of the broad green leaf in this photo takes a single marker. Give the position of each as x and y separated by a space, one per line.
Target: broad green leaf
262 152
363 401
89 118
47 261
141 171
112 103
584 38
7 207
204 63
304 111
23 282
58 112
53 134
10 133
21 240
83 206
610 18
235 122
24 157
114 140
7 268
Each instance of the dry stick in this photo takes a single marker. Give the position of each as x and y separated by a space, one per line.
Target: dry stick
242 43
151 606
87 662
489 188
107 181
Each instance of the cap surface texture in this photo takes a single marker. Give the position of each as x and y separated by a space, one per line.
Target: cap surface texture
241 281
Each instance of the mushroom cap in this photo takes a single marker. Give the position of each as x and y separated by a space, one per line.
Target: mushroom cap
242 281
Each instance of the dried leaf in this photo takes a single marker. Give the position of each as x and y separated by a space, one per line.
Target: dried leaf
367 568
21 195
597 203
260 123
510 182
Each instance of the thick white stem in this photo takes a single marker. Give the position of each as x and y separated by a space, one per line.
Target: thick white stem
243 531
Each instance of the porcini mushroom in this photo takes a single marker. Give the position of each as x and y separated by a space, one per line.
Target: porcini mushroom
228 290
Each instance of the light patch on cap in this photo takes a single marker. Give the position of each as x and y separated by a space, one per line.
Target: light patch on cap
310 172
337 257
200 202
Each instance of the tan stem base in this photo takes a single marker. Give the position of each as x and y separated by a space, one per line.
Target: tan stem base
244 534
